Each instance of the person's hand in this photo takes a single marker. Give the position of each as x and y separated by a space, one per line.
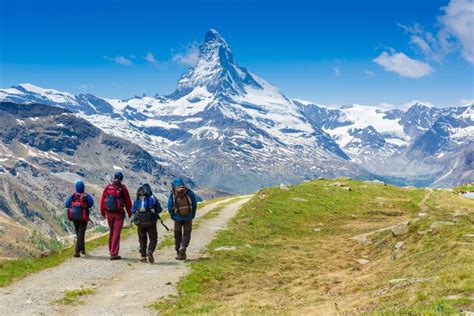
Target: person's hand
103 217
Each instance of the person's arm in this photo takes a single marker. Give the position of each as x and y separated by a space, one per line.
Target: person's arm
193 200
135 206
170 202
127 200
67 204
102 203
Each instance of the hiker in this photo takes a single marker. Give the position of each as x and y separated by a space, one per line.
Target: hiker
113 204
79 205
182 208
146 210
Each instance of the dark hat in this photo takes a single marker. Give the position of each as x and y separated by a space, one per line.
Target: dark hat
118 176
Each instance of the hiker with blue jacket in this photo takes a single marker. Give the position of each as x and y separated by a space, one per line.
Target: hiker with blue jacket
146 210
78 206
182 206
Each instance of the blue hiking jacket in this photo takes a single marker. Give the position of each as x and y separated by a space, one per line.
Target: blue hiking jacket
149 201
80 189
192 196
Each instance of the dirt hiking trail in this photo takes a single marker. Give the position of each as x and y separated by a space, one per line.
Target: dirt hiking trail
123 287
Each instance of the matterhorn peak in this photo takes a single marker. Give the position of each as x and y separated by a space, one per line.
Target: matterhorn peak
213 35
215 50
215 70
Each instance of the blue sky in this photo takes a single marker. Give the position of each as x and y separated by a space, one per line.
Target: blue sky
333 52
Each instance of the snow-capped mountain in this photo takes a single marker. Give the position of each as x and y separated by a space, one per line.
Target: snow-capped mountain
415 146
43 151
226 127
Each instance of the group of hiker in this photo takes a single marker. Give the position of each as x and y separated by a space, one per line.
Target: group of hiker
144 212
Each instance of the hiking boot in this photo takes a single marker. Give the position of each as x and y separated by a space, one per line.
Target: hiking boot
116 257
76 255
149 254
83 252
177 255
182 253
143 259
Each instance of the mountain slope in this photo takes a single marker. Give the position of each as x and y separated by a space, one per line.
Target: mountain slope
224 126
416 146
43 151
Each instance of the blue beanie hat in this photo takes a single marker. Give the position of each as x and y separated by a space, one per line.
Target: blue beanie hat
118 175
178 182
80 187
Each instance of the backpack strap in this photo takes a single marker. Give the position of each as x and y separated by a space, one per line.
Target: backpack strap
147 208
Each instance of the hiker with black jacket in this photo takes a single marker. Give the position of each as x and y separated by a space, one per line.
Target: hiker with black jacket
79 205
182 206
114 203
146 210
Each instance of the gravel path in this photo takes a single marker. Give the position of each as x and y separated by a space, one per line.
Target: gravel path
122 287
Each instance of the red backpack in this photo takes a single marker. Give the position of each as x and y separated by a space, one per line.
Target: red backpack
78 210
114 198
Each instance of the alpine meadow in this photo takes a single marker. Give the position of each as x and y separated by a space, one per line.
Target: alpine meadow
313 158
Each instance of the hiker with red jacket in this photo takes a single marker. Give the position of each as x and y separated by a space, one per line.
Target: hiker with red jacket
79 205
113 204
182 206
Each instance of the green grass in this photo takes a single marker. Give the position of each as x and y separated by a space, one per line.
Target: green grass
281 265
18 269
468 187
207 202
73 297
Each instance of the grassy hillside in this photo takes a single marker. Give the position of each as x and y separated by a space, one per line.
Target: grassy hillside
295 253
468 187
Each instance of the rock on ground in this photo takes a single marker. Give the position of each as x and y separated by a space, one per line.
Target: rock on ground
400 229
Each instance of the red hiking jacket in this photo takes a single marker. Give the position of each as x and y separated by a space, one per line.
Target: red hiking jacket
126 199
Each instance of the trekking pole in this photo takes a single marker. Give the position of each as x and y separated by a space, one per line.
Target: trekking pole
163 224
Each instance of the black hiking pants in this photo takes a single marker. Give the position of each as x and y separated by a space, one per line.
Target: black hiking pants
145 234
80 236
182 234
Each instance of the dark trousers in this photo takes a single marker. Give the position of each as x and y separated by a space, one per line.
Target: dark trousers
80 235
182 234
145 233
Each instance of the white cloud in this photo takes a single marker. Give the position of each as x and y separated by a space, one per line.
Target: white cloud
86 86
188 56
458 22
403 65
150 58
369 73
337 70
454 32
121 60
426 42
466 101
